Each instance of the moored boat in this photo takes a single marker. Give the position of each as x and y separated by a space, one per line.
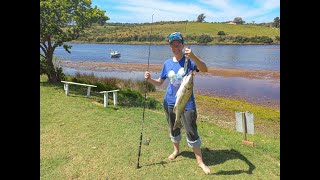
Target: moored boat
115 54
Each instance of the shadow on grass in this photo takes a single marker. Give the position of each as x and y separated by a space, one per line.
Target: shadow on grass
214 157
162 162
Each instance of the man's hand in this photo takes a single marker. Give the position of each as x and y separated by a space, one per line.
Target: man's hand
147 75
188 53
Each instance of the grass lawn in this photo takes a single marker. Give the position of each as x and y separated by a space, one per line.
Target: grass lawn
80 139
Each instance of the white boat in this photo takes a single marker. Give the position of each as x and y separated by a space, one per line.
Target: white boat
115 54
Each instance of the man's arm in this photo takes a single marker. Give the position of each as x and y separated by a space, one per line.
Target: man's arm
200 64
156 82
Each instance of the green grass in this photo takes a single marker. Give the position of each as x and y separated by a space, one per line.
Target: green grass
80 139
190 28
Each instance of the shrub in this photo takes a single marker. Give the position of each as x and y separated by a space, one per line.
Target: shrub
204 38
221 33
43 65
131 93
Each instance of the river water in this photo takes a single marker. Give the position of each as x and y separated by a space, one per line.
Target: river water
247 57
253 57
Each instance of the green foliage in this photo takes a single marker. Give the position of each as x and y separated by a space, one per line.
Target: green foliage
138 38
201 17
220 33
140 33
63 21
276 22
43 65
204 38
60 74
132 98
152 103
129 95
221 39
238 20
45 70
145 86
256 39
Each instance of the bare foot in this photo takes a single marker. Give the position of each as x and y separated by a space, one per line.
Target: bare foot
204 168
173 155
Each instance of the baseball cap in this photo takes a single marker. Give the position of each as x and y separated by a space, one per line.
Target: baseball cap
176 36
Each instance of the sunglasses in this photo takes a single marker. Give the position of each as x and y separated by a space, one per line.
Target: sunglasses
175 37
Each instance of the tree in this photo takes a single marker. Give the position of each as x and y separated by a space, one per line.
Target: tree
201 18
238 20
62 21
276 22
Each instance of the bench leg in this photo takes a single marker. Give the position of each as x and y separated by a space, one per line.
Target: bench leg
66 88
105 99
115 98
88 92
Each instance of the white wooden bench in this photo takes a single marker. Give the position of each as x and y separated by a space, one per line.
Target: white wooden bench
66 86
105 97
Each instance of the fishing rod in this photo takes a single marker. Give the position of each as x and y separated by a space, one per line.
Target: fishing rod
144 104
185 36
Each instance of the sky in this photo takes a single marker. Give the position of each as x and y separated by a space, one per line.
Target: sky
146 11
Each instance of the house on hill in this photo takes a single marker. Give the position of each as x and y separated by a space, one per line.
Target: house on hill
230 22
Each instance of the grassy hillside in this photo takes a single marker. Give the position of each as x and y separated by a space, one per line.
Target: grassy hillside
130 32
80 139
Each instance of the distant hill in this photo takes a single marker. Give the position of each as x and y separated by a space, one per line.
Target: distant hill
194 33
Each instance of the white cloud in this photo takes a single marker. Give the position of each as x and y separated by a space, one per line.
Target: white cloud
141 11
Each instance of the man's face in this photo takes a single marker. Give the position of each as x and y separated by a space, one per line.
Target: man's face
176 47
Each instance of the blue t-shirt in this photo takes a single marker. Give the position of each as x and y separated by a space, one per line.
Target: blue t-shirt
174 71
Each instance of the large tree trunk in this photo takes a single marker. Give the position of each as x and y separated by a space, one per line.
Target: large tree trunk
51 71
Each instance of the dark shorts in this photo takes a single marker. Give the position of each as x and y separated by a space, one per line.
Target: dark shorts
188 118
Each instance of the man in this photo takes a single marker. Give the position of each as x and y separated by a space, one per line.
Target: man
175 68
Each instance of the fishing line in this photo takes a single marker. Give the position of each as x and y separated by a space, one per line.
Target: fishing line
144 104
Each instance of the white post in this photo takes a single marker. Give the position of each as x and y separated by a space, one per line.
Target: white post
88 92
115 98
105 99
66 88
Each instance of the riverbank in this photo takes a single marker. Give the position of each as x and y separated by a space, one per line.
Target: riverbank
223 72
156 68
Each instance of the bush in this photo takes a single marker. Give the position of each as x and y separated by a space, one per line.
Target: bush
221 33
58 69
131 95
145 86
204 38
43 65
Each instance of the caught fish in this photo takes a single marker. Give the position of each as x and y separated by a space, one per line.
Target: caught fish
183 95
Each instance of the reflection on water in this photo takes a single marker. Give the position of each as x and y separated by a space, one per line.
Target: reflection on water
253 57
253 89
250 89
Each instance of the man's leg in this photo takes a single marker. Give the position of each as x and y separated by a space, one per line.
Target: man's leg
175 135
193 139
175 151
198 154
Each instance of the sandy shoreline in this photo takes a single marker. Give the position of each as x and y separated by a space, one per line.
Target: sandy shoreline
155 68
223 72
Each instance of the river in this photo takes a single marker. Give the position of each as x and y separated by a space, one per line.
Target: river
242 57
